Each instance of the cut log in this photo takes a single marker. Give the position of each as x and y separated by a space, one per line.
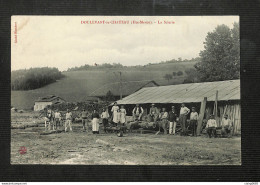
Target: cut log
201 115
17 127
50 132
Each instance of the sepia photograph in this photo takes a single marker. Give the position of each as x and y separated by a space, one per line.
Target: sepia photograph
125 90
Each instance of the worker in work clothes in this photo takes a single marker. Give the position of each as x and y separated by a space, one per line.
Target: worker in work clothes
95 122
153 113
183 117
194 116
84 116
44 114
137 113
163 116
114 111
172 119
68 120
226 125
105 116
50 117
57 119
211 126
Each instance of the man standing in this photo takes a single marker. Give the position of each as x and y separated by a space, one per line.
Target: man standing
57 119
164 120
50 116
68 120
105 116
183 117
153 113
194 116
172 120
95 122
84 116
44 114
137 112
211 126
226 125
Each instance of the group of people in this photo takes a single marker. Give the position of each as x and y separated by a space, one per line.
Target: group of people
54 119
118 114
226 126
171 119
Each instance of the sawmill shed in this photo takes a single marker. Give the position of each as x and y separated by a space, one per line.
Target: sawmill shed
226 94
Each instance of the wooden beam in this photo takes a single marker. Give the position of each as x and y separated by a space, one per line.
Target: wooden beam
201 115
215 111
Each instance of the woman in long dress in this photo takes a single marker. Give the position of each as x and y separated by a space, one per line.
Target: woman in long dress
122 115
95 122
114 111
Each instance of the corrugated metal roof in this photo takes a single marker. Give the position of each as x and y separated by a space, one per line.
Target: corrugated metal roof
187 93
49 98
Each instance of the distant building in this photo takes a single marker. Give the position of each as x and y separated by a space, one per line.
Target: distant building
43 102
127 89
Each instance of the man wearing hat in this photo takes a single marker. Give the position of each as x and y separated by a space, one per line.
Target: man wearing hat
211 126
153 113
172 119
194 116
137 112
226 125
184 111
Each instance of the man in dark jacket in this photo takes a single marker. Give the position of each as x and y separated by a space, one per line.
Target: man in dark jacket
172 119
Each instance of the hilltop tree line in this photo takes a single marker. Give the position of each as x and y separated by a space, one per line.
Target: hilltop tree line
33 78
96 66
118 65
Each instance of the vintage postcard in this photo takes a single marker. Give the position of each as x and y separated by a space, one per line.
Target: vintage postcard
125 90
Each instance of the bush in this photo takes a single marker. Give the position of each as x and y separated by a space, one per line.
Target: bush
180 73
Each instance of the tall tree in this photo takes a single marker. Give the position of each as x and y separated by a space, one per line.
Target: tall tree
220 60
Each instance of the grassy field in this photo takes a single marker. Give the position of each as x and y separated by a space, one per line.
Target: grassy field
77 85
79 147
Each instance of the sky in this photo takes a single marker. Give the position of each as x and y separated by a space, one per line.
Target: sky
64 42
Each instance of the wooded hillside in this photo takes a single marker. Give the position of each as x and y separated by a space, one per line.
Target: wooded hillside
27 79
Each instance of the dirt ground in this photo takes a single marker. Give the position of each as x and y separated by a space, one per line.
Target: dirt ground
132 149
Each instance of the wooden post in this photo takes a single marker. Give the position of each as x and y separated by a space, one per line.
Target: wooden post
215 113
216 105
201 115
